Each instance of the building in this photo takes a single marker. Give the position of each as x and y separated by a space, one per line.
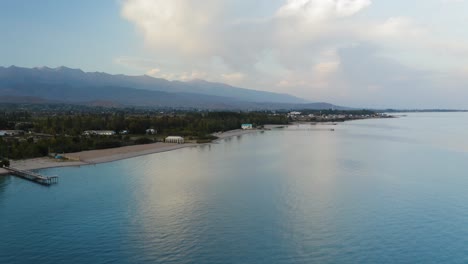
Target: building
99 133
105 133
175 139
247 126
294 113
151 131
11 133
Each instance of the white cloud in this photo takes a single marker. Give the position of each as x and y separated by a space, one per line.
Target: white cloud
313 10
182 76
399 27
452 1
233 78
183 25
414 44
318 49
135 62
153 72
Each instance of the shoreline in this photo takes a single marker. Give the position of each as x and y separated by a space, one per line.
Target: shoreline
92 157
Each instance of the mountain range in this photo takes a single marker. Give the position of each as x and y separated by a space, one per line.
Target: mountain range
65 85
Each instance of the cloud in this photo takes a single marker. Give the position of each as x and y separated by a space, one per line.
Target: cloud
452 1
399 27
415 44
183 25
317 49
153 72
135 62
181 76
233 78
313 10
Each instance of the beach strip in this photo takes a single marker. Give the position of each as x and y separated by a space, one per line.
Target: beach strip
109 155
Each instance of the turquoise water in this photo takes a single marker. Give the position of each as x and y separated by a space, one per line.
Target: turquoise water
372 191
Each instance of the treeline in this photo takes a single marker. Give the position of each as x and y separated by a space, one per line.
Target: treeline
337 112
28 147
188 124
62 133
8 120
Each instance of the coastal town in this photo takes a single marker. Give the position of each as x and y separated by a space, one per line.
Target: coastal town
340 116
80 138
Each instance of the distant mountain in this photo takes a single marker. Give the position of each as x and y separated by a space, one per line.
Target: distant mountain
23 100
67 85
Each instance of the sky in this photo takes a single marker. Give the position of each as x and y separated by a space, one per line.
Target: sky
359 53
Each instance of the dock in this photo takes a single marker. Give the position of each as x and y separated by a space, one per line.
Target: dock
32 176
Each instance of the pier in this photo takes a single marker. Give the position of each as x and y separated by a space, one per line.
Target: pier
34 177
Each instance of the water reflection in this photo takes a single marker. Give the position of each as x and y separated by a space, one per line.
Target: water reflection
4 181
281 196
205 146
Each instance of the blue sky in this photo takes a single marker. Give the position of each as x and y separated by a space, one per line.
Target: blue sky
372 53
81 34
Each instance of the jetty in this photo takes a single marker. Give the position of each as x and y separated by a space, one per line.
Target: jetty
32 176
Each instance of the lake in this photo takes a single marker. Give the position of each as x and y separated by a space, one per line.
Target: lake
371 191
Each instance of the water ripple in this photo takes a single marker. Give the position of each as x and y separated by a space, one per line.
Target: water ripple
364 194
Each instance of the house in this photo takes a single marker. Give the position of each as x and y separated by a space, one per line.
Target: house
87 133
175 139
99 133
294 113
151 131
106 133
11 133
247 126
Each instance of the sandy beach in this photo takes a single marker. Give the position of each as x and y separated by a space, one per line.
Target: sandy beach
114 154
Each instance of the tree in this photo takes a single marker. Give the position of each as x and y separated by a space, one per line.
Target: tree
4 163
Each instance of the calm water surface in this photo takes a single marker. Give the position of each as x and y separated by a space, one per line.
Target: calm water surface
372 191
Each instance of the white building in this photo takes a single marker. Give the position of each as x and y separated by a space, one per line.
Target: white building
99 133
106 133
175 139
294 113
247 126
151 131
11 133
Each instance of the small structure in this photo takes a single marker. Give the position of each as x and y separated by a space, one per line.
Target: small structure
151 131
11 133
247 126
106 133
124 132
175 139
294 113
99 133
32 176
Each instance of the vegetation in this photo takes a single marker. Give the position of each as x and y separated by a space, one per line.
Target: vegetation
144 140
337 112
58 128
4 162
54 131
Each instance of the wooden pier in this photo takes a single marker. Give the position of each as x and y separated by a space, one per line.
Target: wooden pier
32 176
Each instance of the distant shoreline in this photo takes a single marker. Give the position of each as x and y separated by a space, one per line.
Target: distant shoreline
93 157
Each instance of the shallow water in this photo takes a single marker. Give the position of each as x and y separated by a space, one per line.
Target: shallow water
372 191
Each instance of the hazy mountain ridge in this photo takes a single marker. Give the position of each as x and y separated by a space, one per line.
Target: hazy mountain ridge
67 85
